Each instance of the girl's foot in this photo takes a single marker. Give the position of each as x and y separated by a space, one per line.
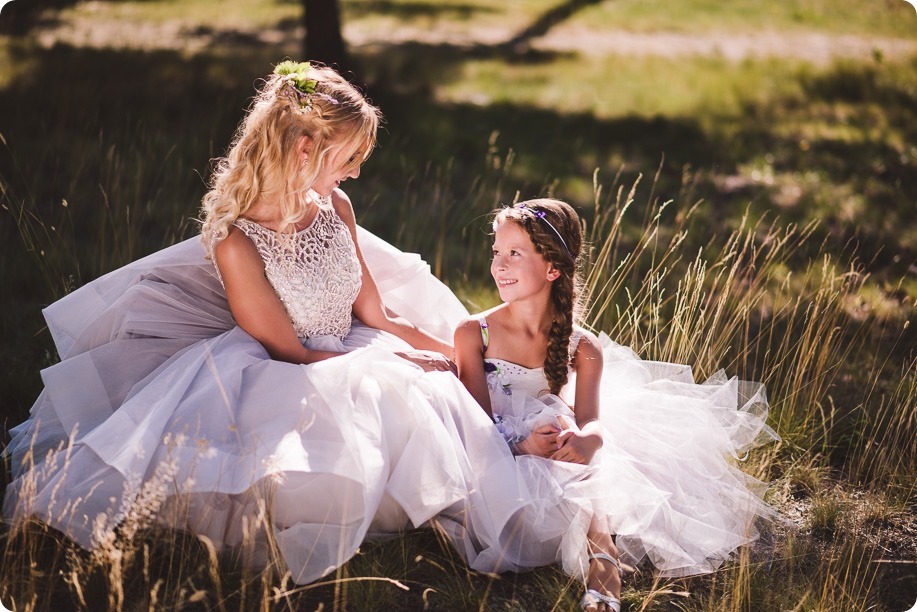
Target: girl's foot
595 601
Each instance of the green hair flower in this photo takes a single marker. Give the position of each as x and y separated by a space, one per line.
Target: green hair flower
298 87
295 74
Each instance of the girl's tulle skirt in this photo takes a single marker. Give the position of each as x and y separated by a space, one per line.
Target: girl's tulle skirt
666 480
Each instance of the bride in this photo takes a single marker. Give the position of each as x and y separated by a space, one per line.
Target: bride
290 416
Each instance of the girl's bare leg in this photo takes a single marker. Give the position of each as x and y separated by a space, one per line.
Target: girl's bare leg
603 576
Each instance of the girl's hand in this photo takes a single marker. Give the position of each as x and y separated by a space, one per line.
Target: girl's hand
577 446
430 361
541 442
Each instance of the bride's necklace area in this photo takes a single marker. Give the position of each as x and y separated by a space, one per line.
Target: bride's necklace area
318 199
314 203
308 217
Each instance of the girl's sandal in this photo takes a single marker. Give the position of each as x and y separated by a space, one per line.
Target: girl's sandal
593 597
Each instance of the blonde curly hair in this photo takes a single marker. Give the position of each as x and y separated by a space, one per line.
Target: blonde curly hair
261 162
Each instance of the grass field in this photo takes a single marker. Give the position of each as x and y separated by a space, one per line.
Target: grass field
749 210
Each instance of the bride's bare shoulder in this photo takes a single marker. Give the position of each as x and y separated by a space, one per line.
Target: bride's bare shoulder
236 249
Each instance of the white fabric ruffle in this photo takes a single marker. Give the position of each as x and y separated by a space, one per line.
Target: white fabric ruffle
665 481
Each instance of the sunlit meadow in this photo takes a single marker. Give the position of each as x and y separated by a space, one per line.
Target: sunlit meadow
753 215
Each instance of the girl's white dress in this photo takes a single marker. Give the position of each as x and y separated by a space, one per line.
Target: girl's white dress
665 480
162 409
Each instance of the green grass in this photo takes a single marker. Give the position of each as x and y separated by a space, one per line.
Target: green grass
890 18
702 87
881 18
223 15
470 19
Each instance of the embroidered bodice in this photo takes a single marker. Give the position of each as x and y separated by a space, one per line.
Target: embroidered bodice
317 276
506 379
519 397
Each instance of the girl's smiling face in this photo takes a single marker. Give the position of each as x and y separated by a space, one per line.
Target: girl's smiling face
518 269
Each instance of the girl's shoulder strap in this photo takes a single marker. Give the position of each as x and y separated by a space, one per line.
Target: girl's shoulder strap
485 332
575 337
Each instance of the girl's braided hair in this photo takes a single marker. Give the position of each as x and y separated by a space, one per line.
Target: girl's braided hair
554 228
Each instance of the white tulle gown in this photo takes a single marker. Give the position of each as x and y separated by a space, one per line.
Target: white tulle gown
162 409
664 482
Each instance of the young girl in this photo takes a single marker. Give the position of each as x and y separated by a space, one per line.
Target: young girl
641 455
286 417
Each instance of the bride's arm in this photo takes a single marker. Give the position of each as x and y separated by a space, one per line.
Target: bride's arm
369 307
254 304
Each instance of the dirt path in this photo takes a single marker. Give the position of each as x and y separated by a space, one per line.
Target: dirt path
814 47
90 26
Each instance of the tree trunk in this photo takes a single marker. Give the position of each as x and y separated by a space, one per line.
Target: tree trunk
20 16
324 42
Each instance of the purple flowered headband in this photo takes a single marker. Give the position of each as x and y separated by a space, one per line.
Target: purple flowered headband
543 216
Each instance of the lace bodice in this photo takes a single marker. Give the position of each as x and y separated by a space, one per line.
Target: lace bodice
317 277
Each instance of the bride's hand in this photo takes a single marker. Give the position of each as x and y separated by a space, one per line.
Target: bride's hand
430 361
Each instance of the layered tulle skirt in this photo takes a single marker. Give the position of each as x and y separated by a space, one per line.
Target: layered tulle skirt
161 410
689 440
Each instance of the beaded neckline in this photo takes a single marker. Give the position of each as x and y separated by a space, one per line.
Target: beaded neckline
323 203
267 229
514 364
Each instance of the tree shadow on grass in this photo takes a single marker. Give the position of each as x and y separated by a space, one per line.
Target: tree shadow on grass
17 17
849 129
546 21
871 166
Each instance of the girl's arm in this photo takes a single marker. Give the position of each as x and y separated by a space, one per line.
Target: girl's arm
368 306
469 359
580 446
254 303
